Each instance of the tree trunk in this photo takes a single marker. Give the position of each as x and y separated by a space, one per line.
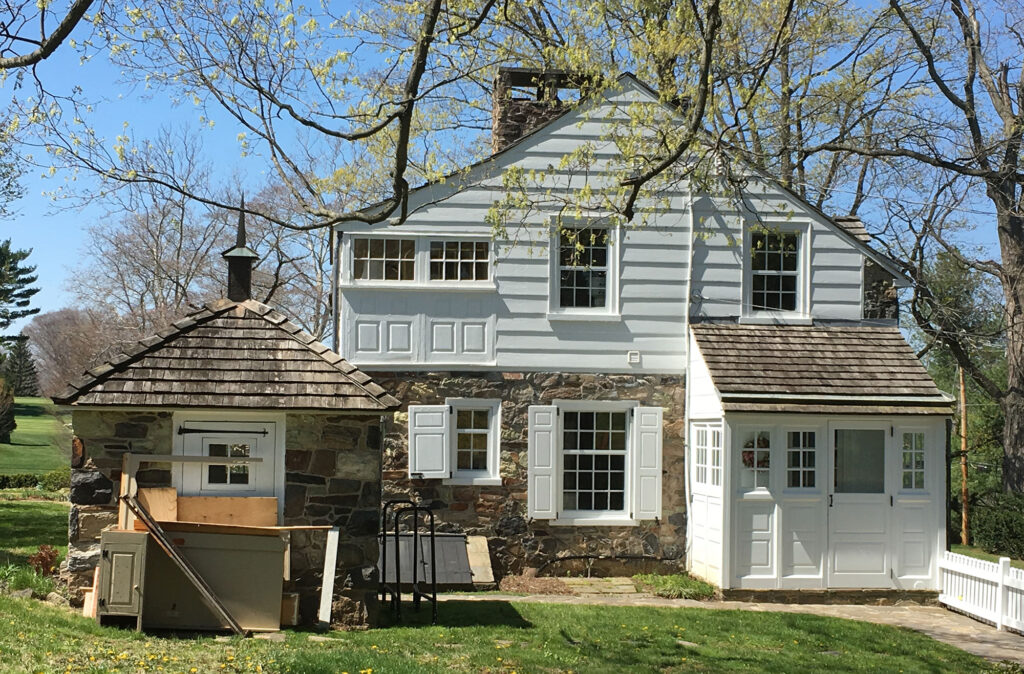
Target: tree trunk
1011 241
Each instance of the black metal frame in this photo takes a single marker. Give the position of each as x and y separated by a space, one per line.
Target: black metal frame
393 595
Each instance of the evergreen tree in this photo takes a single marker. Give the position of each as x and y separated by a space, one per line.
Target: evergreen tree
7 423
15 279
19 369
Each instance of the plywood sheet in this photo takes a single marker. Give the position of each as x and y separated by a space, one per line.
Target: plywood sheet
160 502
250 511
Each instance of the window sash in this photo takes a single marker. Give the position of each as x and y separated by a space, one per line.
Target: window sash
755 460
459 260
583 268
383 259
774 271
595 461
912 461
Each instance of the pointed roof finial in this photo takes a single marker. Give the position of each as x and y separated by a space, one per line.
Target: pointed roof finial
241 248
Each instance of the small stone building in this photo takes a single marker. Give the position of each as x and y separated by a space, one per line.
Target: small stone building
238 374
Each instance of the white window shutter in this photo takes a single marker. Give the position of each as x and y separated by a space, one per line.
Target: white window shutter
647 463
428 441
542 492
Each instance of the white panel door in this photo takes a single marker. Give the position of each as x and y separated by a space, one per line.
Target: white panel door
236 439
914 511
859 507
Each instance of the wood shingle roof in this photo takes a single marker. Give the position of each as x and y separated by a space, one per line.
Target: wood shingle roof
230 355
826 369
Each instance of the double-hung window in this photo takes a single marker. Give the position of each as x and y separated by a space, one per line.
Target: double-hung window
457 442
774 271
594 462
583 268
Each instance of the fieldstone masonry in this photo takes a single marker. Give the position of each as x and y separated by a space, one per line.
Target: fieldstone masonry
332 477
500 512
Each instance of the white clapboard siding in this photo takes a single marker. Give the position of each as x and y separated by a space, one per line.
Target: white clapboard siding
991 591
394 328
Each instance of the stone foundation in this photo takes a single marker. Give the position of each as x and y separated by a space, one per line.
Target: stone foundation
332 477
500 512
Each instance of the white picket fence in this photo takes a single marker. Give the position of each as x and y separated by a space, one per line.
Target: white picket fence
988 590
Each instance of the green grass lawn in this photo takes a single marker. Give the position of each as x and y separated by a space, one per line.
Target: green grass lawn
494 637
40 443
25 525
972 551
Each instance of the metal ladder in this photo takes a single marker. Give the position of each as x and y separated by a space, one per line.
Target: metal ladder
397 509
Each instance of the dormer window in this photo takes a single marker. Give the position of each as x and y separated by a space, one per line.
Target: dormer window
774 271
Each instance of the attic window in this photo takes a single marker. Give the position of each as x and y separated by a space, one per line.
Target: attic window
775 270
383 259
583 268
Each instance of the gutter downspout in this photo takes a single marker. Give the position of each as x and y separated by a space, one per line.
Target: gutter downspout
334 245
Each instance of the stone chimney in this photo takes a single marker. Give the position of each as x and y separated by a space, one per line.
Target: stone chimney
514 117
240 260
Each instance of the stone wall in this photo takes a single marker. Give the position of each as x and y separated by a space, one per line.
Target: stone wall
500 512
332 477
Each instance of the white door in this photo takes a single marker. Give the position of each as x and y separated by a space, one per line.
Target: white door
237 439
859 507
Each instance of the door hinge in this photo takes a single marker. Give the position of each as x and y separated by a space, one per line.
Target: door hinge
101 601
830 500
631 410
451 409
892 431
558 411
890 500
103 554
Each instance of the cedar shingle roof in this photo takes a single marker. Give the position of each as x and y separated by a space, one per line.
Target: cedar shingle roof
230 354
824 369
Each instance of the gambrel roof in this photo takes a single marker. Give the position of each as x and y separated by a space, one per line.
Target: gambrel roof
817 368
230 355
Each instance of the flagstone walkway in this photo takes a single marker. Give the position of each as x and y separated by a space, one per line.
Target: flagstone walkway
937 622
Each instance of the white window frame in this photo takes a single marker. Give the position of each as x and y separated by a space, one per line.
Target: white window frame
611 310
214 438
801 314
596 517
475 241
492 476
421 263
385 239
819 456
742 470
923 471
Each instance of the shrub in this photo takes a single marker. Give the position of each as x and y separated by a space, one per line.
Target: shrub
44 561
16 578
57 479
20 481
997 524
678 586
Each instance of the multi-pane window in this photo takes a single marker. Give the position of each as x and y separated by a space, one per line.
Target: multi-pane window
459 260
700 456
583 268
716 457
383 259
594 446
236 473
472 434
774 265
800 460
913 461
755 457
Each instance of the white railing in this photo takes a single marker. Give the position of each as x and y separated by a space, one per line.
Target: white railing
992 591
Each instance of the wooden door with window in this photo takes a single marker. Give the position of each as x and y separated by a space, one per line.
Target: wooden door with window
229 439
859 552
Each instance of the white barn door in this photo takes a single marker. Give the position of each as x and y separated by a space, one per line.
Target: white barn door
859 506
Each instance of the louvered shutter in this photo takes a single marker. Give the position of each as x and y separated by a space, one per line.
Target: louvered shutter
646 463
542 492
428 441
